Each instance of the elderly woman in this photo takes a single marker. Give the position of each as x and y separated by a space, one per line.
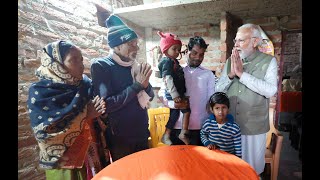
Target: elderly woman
62 112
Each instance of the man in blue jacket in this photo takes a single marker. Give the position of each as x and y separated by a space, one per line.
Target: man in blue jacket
124 84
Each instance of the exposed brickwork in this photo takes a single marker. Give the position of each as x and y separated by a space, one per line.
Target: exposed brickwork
228 29
272 26
41 22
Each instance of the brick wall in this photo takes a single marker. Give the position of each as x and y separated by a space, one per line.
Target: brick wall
210 33
42 22
292 54
125 3
273 26
228 27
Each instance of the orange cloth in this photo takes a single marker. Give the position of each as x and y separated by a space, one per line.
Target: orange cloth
74 157
176 163
291 102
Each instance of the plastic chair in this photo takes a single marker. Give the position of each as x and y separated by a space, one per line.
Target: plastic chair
158 118
273 149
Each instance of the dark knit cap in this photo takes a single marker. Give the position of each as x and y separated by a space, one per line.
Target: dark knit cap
58 50
118 32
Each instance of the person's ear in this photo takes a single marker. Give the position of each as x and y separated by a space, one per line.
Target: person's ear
211 109
256 42
117 48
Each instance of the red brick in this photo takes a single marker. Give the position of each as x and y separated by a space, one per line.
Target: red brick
90 52
27 152
295 18
196 27
258 21
22 98
205 34
24 121
173 28
40 8
31 173
24 142
223 47
223 26
275 37
82 42
25 132
48 34
22 109
215 60
293 26
188 35
34 42
210 47
207 25
32 17
223 57
27 77
21 52
87 33
67 28
223 36
31 63
269 27
198 34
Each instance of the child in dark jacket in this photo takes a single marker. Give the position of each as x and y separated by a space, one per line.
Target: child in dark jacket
173 79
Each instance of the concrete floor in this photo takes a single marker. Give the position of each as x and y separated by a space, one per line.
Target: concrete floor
290 166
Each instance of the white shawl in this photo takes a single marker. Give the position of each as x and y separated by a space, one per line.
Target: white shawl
143 97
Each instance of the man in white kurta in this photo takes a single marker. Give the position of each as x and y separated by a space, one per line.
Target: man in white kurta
200 85
249 78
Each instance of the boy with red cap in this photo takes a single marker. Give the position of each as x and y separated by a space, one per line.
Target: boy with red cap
173 78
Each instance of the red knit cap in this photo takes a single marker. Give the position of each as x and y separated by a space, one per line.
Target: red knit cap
167 40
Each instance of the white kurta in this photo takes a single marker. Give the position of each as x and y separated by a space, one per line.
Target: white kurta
253 150
254 146
200 85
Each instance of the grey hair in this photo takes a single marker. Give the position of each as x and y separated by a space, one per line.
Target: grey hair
255 29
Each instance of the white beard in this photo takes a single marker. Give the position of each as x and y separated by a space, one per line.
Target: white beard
245 53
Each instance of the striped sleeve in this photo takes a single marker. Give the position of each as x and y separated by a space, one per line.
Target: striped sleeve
204 133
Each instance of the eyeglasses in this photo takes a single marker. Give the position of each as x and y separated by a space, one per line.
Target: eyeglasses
241 41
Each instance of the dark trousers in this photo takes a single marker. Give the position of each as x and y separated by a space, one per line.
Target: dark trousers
174 113
194 136
120 146
173 118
